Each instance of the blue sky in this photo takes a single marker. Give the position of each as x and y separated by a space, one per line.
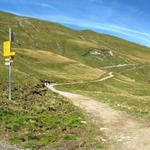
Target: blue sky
128 19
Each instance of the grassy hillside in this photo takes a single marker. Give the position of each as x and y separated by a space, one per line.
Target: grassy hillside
36 117
45 65
44 50
35 34
40 119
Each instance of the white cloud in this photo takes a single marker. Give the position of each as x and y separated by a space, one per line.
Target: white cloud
44 5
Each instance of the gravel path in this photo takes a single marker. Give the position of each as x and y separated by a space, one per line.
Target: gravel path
117 66
122 131
5 146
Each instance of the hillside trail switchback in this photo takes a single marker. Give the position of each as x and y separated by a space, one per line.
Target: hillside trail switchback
121 130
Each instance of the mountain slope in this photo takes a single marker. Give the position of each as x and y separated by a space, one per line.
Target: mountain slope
50 51
38 34
36 117
45 65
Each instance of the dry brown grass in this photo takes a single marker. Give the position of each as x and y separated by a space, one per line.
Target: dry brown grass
82 43
53 65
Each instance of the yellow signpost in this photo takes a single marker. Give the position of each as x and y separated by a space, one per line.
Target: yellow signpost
7 53
6 50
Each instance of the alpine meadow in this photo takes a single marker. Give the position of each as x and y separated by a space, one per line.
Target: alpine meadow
105 69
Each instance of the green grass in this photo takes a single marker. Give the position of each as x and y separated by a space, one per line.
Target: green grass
99 145
37 117
69 137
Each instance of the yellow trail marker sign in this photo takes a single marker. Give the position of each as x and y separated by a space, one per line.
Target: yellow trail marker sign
6 48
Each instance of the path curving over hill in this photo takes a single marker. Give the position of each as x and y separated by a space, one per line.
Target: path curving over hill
122 131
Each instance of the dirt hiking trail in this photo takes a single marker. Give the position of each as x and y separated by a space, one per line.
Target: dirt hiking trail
121 130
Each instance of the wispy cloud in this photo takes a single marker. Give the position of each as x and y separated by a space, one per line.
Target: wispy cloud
143 36
44 5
